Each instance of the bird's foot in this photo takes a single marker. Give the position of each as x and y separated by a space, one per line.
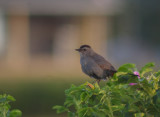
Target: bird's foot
97 80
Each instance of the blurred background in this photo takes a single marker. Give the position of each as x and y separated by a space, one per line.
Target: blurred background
38 37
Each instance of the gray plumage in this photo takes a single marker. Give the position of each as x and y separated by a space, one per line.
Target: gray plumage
93 64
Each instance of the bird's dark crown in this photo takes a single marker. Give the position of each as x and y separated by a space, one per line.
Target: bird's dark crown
83 46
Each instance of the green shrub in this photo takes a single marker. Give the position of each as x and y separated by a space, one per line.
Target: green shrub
5 107
124 95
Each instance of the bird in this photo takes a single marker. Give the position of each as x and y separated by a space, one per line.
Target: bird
95 65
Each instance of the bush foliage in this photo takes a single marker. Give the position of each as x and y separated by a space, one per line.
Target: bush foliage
5 107
124 95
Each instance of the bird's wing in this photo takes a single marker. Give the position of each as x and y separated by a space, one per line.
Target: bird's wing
90 67
104 64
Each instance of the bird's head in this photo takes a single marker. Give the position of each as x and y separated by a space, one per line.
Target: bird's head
85 50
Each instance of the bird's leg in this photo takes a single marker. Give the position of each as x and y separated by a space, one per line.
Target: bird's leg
94 81
98 81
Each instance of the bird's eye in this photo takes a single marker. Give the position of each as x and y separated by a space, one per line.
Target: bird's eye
84 49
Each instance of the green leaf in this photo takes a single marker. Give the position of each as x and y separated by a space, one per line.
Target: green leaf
151 64
121 73
15 113
157 74
83 96
82 112
69 102
129 65
2 99
60 109
5 97
126 67
70 114
156 98
97 86
139 114
5 107
10 98
123 69
146 68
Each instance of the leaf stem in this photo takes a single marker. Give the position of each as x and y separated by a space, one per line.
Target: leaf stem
109 106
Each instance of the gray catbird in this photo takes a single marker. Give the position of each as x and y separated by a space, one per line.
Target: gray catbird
94 65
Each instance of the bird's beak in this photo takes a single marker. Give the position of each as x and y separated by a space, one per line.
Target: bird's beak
78 50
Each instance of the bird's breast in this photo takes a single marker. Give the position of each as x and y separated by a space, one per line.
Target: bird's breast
84 65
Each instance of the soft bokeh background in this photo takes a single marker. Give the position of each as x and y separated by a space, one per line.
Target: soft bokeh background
38 38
